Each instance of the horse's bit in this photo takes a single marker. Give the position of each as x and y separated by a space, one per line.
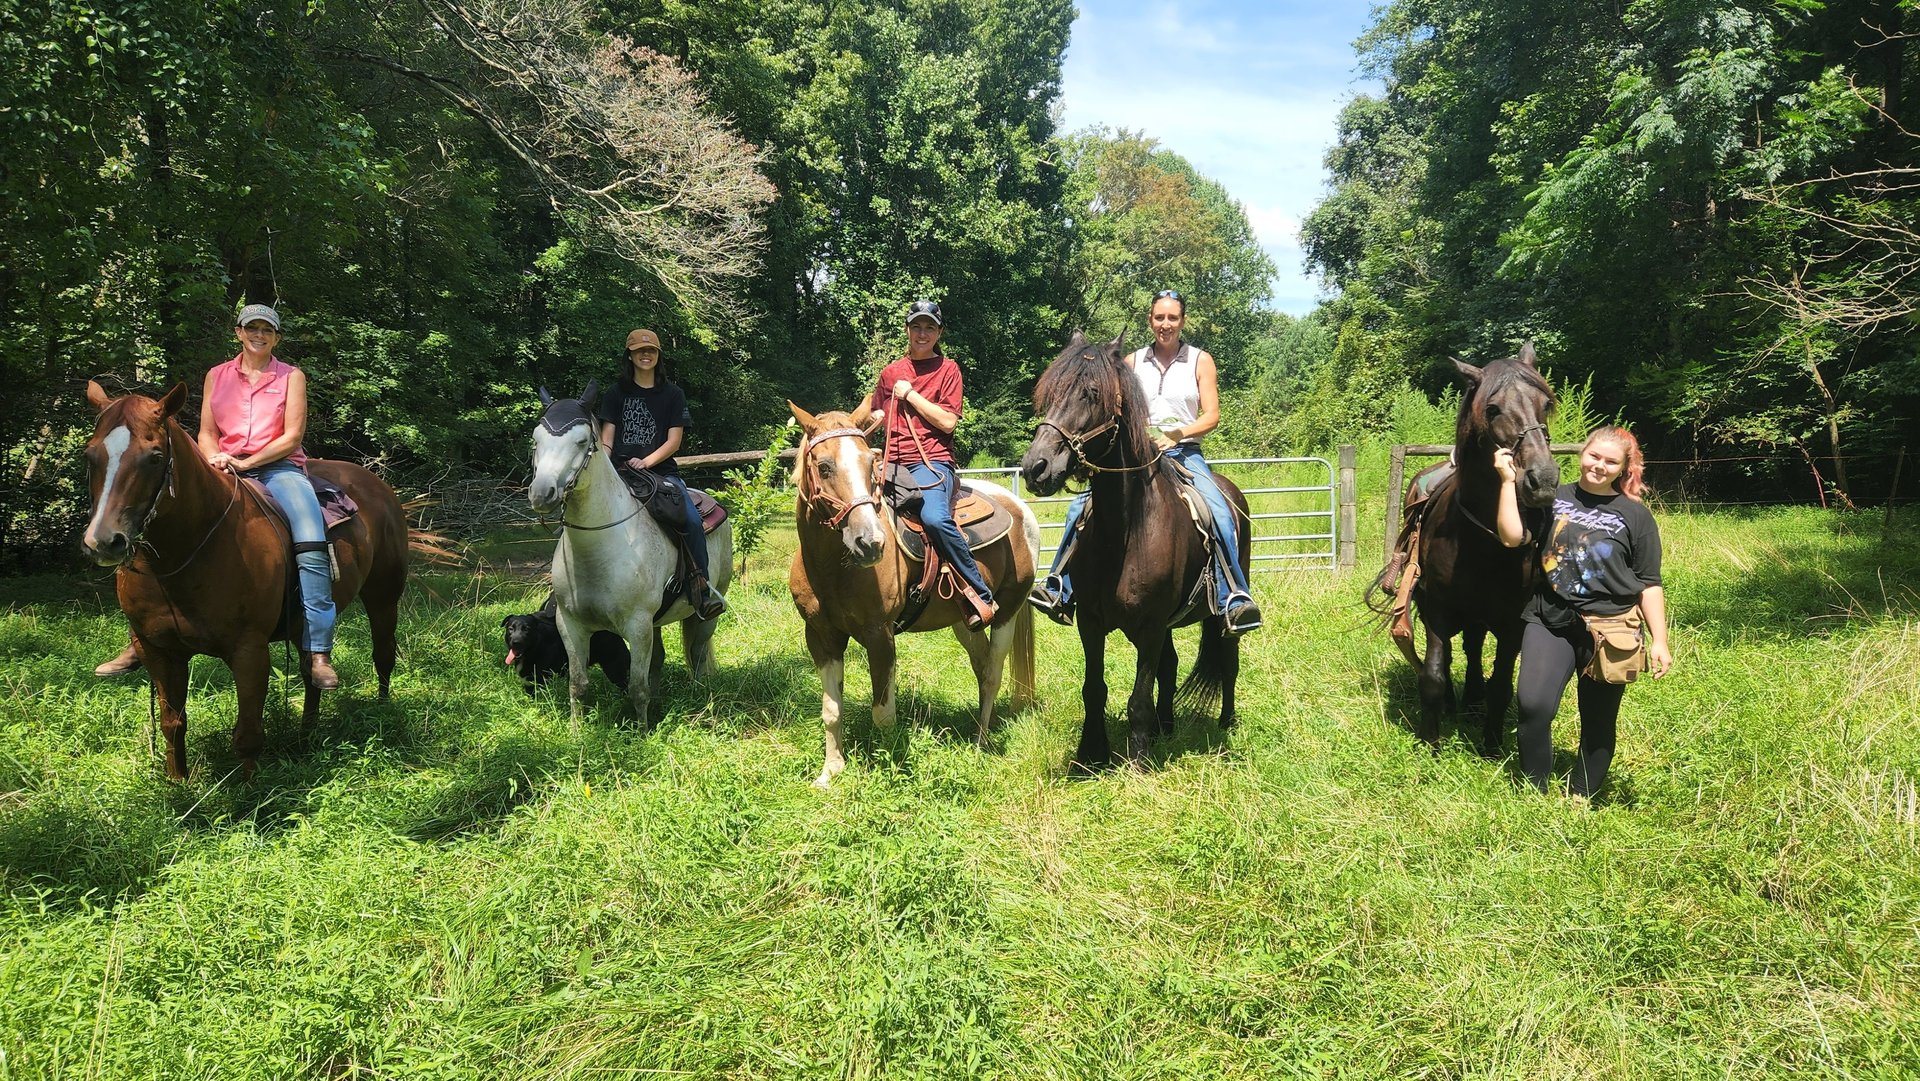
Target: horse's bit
818 496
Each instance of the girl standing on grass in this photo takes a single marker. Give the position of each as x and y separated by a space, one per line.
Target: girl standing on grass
1600 557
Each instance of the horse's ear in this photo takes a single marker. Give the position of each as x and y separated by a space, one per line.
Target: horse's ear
545 398
97 397
174 399
808 422
1472 373
590 395
1118 346
1527 355
1079 339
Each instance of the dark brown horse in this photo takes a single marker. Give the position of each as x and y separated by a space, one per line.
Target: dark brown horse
1469 583
850 581
202 564
1139 555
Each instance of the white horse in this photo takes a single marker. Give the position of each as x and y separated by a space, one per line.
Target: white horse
613 562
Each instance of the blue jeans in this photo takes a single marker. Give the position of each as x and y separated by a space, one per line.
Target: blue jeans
937 481
696 533
1226 533
294 493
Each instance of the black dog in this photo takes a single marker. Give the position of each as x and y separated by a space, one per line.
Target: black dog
534 649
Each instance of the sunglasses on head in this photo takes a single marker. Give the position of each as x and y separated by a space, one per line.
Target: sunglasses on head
1170 294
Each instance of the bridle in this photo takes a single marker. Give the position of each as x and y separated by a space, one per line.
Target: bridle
1077 443
566 490
819 497
166 489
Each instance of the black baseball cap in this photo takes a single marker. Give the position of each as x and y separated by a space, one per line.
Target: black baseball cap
924 309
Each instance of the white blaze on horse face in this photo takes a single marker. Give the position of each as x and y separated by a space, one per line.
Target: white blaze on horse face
115 444
864 523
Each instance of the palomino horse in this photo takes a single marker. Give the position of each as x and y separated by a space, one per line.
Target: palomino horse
203 564
613 564
850 580
1139 556
1468 582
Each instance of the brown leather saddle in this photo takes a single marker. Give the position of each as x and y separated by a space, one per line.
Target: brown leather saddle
981 520
336 506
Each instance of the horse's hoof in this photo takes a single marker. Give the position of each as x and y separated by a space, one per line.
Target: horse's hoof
827 774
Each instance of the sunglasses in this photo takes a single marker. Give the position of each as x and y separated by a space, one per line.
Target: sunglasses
1170 294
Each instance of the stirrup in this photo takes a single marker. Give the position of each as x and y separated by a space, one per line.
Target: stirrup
979 610
1050 597
1242 615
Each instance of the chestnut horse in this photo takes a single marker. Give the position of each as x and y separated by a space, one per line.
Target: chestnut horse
202 563
1139 556
1469 583
850 578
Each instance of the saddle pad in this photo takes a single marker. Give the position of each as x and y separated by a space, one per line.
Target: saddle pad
981 521
711 512
336 505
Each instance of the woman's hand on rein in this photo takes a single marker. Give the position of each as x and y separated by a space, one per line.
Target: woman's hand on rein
1503 465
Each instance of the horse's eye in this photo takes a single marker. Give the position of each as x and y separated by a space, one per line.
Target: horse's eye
1091 394
826 469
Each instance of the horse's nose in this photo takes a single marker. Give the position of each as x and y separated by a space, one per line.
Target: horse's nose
866 549
540 496
108 549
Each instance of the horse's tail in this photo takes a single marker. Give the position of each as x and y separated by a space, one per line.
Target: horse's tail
1218 662
1023 663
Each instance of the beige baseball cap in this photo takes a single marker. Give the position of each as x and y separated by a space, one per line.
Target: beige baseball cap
643 339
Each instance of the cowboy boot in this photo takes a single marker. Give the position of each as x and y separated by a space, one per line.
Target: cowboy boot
708 602
979 611
127 663
320 673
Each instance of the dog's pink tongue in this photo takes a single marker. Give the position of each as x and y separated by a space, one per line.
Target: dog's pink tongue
510 656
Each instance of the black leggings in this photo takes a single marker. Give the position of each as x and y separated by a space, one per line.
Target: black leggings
1547 660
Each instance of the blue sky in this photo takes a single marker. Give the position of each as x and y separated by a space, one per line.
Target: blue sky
1249 91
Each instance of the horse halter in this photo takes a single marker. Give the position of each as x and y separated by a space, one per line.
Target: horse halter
818 497
1537 426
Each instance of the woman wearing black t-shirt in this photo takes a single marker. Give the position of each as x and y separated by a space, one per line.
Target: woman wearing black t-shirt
1600 556
644 419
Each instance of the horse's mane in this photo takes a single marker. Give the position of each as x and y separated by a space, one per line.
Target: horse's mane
1102 364
1497 378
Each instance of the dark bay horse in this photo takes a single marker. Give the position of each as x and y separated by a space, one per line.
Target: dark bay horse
202 564
850 580
1469 583
1139 555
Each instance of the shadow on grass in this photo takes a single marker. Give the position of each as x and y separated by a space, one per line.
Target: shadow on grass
1770 575
1399 687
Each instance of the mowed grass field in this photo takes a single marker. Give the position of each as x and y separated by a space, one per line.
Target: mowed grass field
464 883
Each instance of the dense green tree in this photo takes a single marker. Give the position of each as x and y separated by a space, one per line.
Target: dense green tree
1143 220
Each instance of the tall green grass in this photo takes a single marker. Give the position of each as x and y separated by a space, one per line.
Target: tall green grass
464 883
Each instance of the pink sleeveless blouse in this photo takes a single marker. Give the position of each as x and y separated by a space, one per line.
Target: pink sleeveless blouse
250 417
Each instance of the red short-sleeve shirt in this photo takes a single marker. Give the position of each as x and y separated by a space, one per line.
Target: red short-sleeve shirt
938 381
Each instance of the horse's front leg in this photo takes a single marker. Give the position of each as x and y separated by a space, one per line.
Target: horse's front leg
829 651
252 663
1140 711
1094 751
1473 691
696 641
169 674
1164 674
578 642
1436 686
643 659
1506 651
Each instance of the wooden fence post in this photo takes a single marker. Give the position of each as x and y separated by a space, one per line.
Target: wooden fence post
1349 497
1396 485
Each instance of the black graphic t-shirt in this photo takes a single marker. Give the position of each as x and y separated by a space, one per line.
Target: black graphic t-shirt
1597 556
642 417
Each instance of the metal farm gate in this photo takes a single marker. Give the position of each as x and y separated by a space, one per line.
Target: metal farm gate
1310 508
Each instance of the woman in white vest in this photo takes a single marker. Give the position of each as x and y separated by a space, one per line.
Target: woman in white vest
1183 401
